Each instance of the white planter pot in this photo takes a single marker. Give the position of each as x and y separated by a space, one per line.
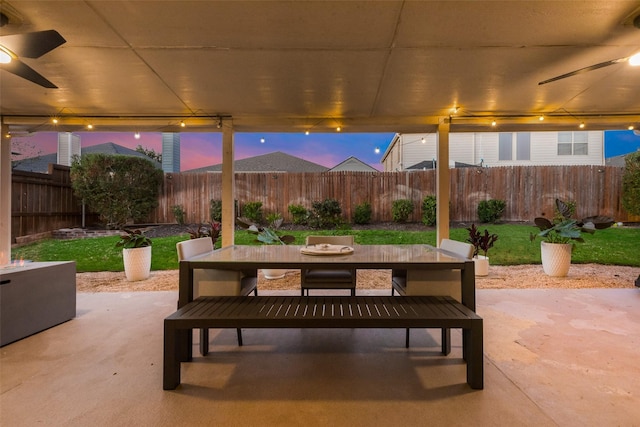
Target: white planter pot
273 273
481 265
556 258
137 263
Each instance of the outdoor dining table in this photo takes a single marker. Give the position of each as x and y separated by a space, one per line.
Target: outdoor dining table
407 257
313 312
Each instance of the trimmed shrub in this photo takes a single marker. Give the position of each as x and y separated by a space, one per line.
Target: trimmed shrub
178 212
253 211
429 215
362 214
491 210
325 214
215 210
401 210
274 220
631 183
299 214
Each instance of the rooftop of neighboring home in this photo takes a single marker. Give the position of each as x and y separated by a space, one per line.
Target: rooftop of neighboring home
41 163
352 164
272 162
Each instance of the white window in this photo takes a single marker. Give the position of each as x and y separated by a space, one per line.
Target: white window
522 141
505 146
573 144
523 146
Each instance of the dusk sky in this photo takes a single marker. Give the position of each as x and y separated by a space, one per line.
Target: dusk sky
327 149
205 149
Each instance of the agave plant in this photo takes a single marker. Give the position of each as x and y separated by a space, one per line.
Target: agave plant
266 235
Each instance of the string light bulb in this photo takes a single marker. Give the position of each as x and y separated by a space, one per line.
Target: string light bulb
136 135
90 126
581 125
6 56
338 129
54 120
631 127
182 124
377 150
494 123
424 141
541 118
306 132
261 140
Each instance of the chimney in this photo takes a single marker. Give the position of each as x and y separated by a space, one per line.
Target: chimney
170 152
68 147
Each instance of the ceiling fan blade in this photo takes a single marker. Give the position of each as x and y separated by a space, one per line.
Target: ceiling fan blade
584 70
32 45
21 69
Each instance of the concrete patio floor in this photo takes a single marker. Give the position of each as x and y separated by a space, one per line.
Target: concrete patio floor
552 357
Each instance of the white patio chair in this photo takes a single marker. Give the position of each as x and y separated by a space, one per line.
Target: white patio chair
215 282
434 283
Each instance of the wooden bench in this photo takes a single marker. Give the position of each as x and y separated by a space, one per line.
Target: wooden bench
320 312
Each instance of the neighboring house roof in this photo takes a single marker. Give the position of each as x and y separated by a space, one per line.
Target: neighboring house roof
616 160
272 162
466 165
353 164
423 165
431 164
41 163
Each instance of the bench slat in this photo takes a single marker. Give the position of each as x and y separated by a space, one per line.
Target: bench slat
339 312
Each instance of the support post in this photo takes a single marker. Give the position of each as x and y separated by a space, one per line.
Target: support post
5 195
228 185
443 182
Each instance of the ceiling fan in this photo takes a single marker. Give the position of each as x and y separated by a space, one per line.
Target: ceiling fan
633 60
29 45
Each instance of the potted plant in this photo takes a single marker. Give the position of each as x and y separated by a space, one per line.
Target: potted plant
211 229
559 237
136 254
481 242
268 236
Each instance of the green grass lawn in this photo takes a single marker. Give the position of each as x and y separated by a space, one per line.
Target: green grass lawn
615 246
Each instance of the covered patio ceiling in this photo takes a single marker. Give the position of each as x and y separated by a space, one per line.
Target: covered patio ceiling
366 66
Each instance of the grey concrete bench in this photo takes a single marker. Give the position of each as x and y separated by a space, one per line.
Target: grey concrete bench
320 312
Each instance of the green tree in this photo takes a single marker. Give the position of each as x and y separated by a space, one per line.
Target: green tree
149 152
631 184
120 188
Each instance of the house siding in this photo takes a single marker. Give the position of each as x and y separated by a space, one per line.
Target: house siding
407 150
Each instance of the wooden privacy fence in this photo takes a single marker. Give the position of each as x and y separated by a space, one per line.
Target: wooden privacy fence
529 191
42 203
